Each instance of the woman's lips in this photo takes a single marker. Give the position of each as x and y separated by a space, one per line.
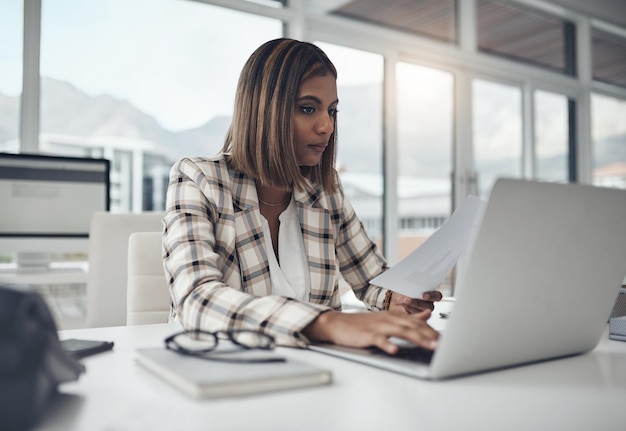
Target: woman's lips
319 147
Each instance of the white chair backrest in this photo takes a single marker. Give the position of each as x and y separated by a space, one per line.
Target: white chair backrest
108 251
148 298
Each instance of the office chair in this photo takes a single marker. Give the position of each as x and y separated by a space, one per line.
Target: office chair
108 259
148 298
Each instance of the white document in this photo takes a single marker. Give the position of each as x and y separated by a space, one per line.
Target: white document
426 267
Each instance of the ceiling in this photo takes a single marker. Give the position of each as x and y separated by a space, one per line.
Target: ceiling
613 11
504 28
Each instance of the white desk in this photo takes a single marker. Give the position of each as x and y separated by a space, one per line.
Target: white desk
585 392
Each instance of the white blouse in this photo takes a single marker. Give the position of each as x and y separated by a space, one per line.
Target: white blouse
291 278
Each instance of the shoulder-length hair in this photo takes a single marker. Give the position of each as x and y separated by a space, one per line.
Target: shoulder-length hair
260 139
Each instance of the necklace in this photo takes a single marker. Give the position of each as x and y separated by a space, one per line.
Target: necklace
269 204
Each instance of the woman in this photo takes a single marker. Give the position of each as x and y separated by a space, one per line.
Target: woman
258 236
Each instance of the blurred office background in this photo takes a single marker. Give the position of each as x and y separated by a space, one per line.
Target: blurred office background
437 97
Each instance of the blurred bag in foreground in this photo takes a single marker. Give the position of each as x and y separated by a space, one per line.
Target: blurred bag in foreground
32 362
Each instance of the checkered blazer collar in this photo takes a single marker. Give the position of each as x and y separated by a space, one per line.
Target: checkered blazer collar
244 192
245 195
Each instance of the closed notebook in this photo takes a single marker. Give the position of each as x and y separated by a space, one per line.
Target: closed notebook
203 378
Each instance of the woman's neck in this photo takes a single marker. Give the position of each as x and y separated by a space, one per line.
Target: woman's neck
272 202
270 196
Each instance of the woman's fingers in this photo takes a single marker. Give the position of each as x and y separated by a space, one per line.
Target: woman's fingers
373 329
418 305
413 328
385 345
415 305
433 295
420 333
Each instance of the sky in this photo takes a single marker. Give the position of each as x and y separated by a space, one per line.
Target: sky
11 47
176 60
160 55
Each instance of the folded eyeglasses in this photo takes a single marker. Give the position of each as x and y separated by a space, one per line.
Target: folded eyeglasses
203 344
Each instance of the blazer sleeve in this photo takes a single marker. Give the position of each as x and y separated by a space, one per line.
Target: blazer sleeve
195 263
359 258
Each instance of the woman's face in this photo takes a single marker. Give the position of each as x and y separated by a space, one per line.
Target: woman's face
314 119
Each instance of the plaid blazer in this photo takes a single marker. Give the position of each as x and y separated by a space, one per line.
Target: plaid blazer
216 261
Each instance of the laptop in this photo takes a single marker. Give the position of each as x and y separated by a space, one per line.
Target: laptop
540 280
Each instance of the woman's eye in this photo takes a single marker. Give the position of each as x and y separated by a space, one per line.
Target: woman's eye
307 109
333 112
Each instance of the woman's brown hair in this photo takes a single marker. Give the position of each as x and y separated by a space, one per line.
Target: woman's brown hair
260 139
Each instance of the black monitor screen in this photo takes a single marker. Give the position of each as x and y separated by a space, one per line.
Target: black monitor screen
50 196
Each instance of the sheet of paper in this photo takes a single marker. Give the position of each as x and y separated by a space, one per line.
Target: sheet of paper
426 267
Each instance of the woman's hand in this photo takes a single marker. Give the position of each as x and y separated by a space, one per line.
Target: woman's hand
373 329
403 304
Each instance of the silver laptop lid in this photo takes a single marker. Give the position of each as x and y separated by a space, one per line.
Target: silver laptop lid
541 277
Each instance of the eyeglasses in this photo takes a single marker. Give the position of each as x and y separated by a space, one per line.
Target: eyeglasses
203 344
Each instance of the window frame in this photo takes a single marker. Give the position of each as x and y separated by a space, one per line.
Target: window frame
462 59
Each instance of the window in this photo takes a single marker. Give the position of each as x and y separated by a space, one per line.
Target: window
608 130
360 132
551 137
527 35
142 83
497 132
11 30
431 18
425 113
609 57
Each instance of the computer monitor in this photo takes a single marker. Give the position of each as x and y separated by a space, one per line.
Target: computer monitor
46 203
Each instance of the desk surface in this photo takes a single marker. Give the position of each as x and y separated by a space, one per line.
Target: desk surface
578 393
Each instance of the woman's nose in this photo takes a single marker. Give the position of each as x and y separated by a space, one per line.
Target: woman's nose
326 124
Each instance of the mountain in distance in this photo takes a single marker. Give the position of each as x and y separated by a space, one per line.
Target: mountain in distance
206 140
610 150
359 129
66 110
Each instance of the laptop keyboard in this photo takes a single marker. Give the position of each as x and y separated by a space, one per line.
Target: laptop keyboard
413 353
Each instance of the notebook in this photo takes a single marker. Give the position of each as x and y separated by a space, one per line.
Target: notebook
541 277
203 378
